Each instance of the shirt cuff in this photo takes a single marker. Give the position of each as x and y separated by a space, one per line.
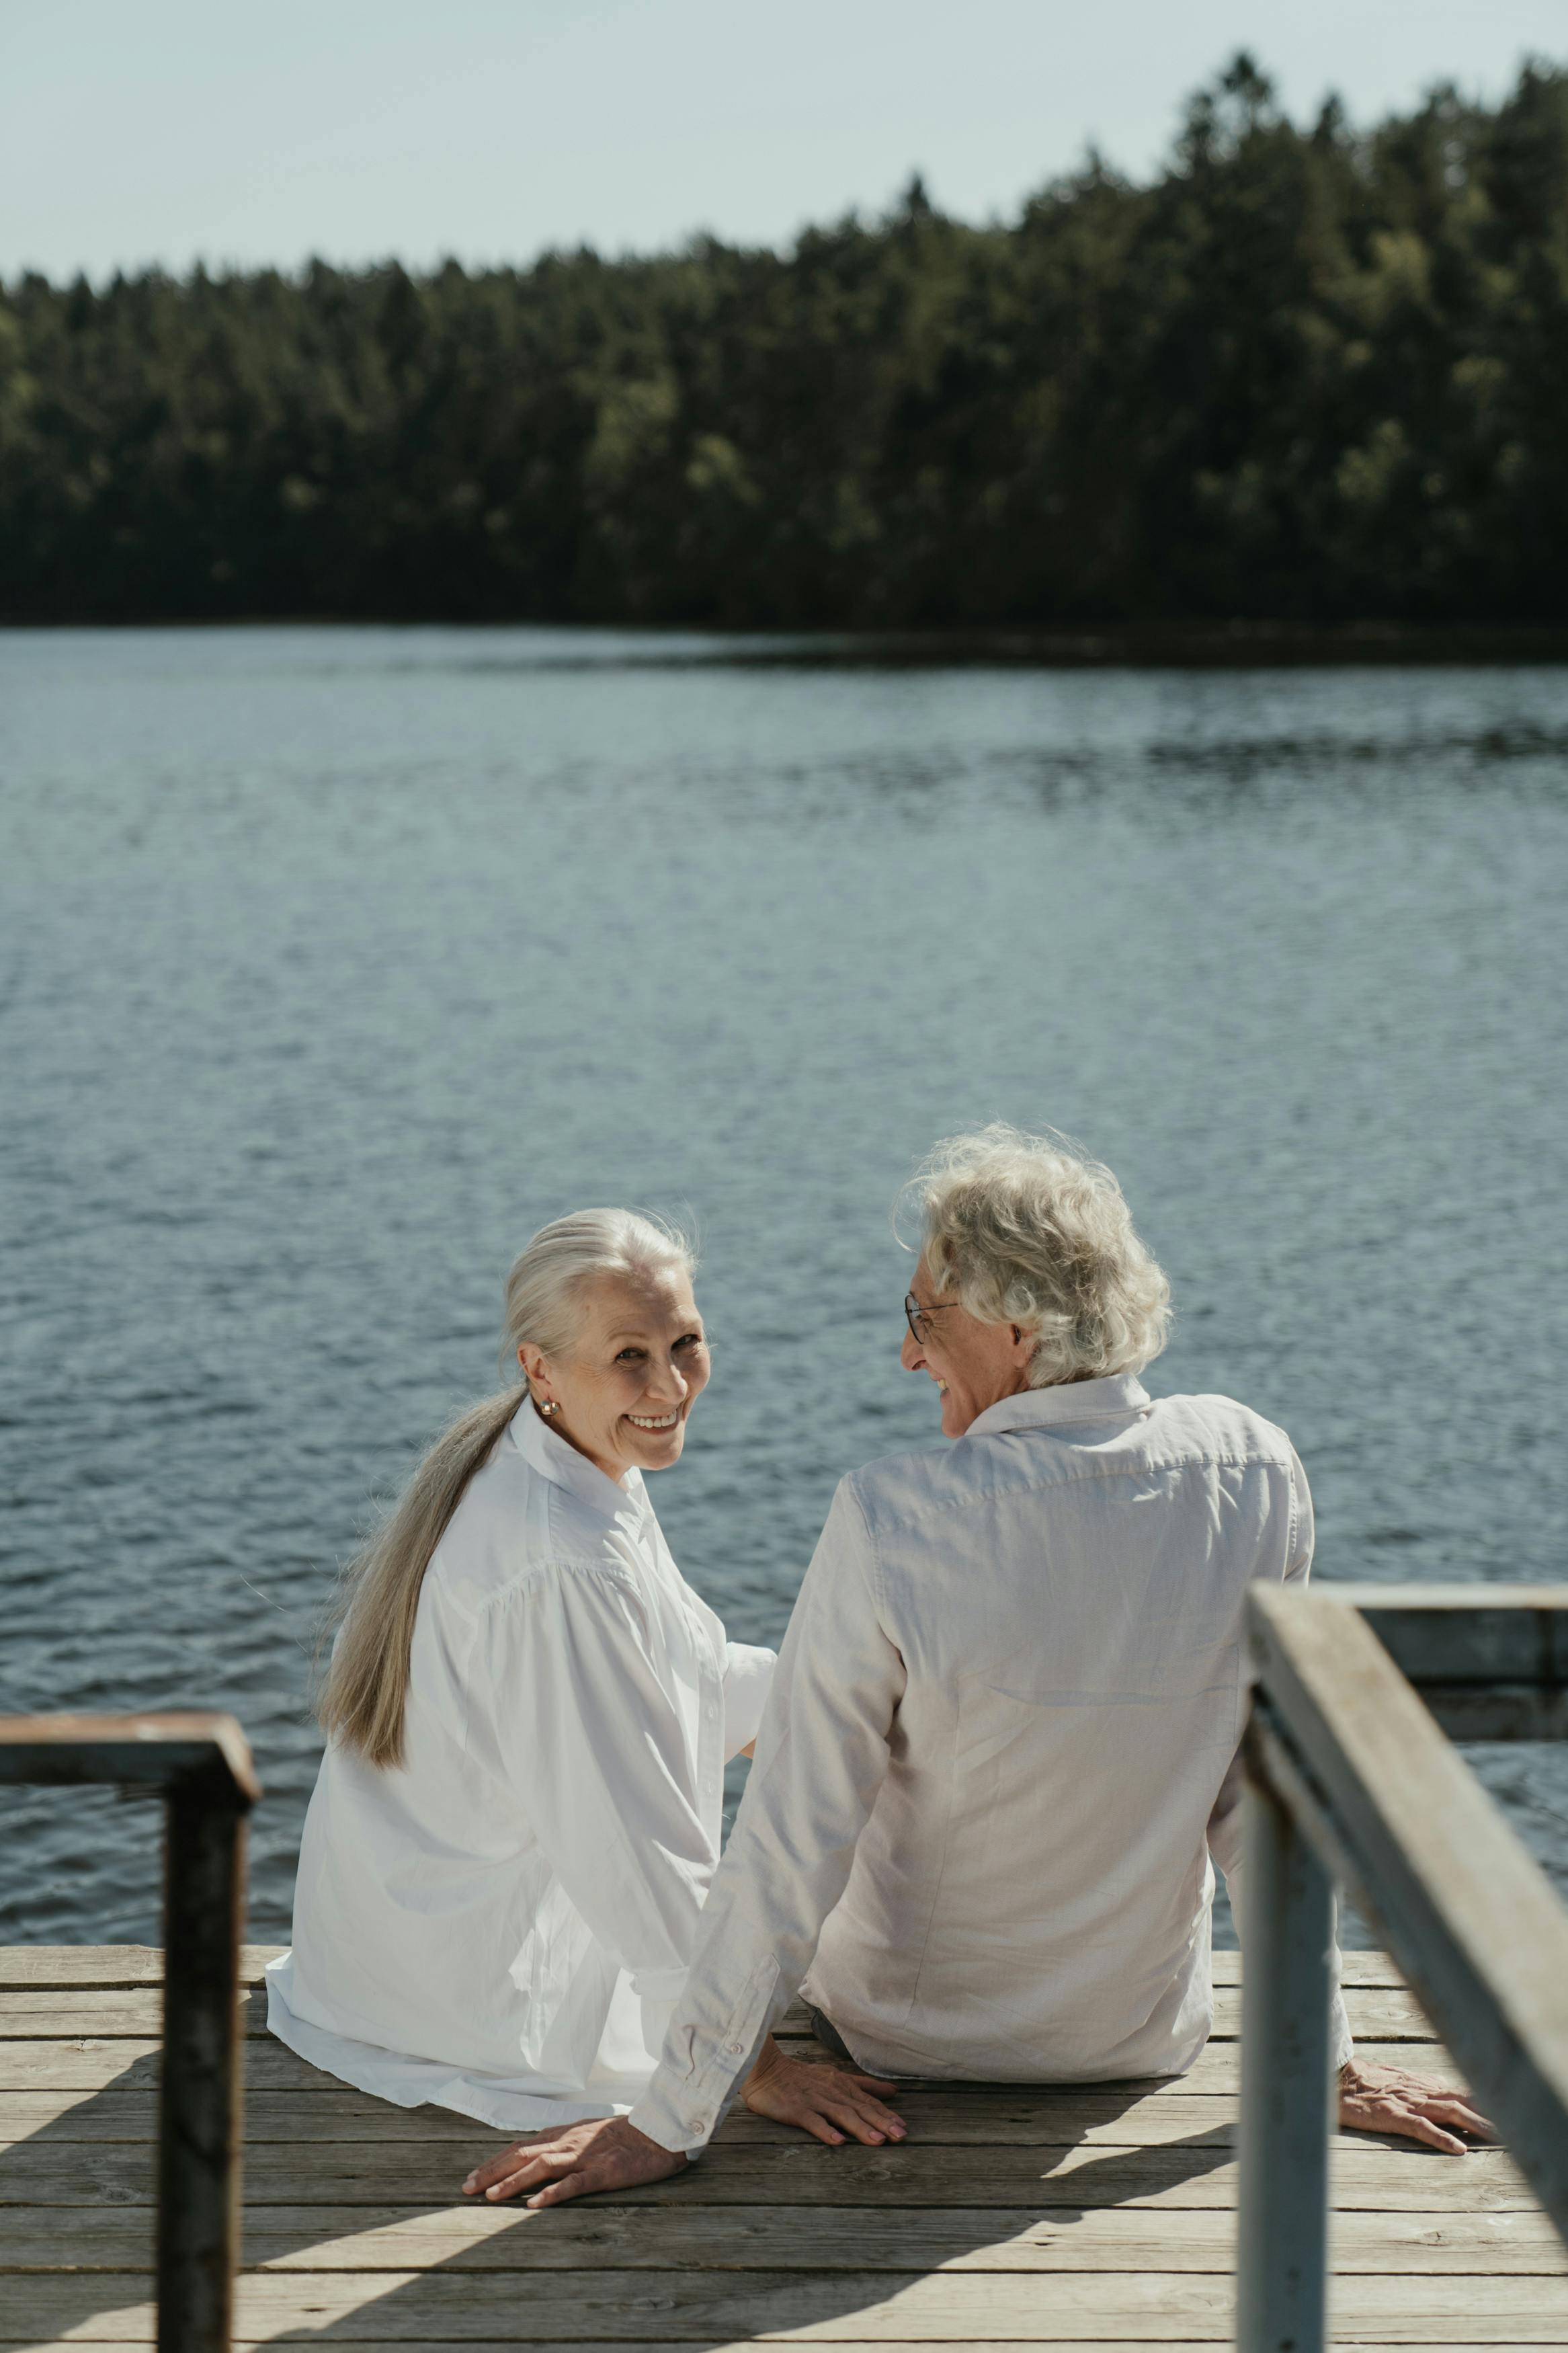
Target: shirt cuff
684 2127
748 1676
683 2104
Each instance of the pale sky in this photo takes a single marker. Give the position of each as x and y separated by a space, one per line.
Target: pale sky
175 129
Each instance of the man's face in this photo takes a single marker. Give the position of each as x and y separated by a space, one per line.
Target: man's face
972 1364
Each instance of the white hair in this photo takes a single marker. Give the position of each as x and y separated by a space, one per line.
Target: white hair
366 1687
1028 1230
544 1288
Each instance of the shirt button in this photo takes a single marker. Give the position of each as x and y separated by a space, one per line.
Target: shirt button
696 2124
736 2047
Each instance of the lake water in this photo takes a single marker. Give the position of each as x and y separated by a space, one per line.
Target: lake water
335 962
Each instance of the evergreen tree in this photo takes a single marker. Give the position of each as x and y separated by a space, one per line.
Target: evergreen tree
1307 374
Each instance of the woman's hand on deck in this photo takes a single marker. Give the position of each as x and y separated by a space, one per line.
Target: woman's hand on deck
1380 2099
833 2103
607 2152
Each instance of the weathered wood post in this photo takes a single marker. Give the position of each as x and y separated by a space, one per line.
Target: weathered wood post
201 2087
202 1767
1287 2007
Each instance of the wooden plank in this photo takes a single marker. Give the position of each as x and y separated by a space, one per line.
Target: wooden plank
1459 1634
1367 2176
933 2239
93 2063
624 2345
1382 2014
1369 1969
921 2308
974 2118
81 1964
104 2118
1469 1910
634 2344
842 2344
55 1966
386 2309
702 2238
106 2012
1497 1710
83 2064
983 2116
136 1751
630 2345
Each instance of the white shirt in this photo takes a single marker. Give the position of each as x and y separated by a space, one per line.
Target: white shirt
999 1754
499 1925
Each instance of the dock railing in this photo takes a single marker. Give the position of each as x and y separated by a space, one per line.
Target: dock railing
202 1767
1351 1778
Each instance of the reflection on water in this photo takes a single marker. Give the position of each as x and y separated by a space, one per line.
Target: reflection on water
333 962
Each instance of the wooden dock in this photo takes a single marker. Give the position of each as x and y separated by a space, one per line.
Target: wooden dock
1100 2218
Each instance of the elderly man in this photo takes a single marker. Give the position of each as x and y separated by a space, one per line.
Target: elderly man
999 1761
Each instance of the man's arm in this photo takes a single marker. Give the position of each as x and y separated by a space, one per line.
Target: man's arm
822 1755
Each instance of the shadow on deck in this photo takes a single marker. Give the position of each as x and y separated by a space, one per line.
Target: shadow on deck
1014 2214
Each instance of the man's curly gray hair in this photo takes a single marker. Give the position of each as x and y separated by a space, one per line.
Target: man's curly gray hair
1028 1230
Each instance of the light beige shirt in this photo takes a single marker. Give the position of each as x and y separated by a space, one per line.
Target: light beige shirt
998 1755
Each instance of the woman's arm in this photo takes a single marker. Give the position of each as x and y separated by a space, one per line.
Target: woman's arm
747 1679
598 1755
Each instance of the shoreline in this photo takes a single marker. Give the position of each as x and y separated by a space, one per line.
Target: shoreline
1210 645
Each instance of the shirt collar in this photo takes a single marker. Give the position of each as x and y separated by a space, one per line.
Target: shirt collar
543 1450
1102 1400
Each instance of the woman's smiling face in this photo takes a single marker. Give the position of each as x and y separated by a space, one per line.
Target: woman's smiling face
637 1367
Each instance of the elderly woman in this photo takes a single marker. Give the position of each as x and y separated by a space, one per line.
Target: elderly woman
529 1712
998 1764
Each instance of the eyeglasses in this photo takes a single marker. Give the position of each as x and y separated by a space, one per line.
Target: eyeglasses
915 1315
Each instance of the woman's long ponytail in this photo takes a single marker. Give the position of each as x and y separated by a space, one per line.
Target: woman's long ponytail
364 1694
366 1686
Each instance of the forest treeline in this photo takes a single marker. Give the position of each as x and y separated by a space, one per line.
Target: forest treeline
1307 373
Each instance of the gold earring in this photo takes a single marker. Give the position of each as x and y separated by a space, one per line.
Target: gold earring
548 1406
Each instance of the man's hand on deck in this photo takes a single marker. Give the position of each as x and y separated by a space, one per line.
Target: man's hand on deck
829 2102
607 2152
1379 2099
